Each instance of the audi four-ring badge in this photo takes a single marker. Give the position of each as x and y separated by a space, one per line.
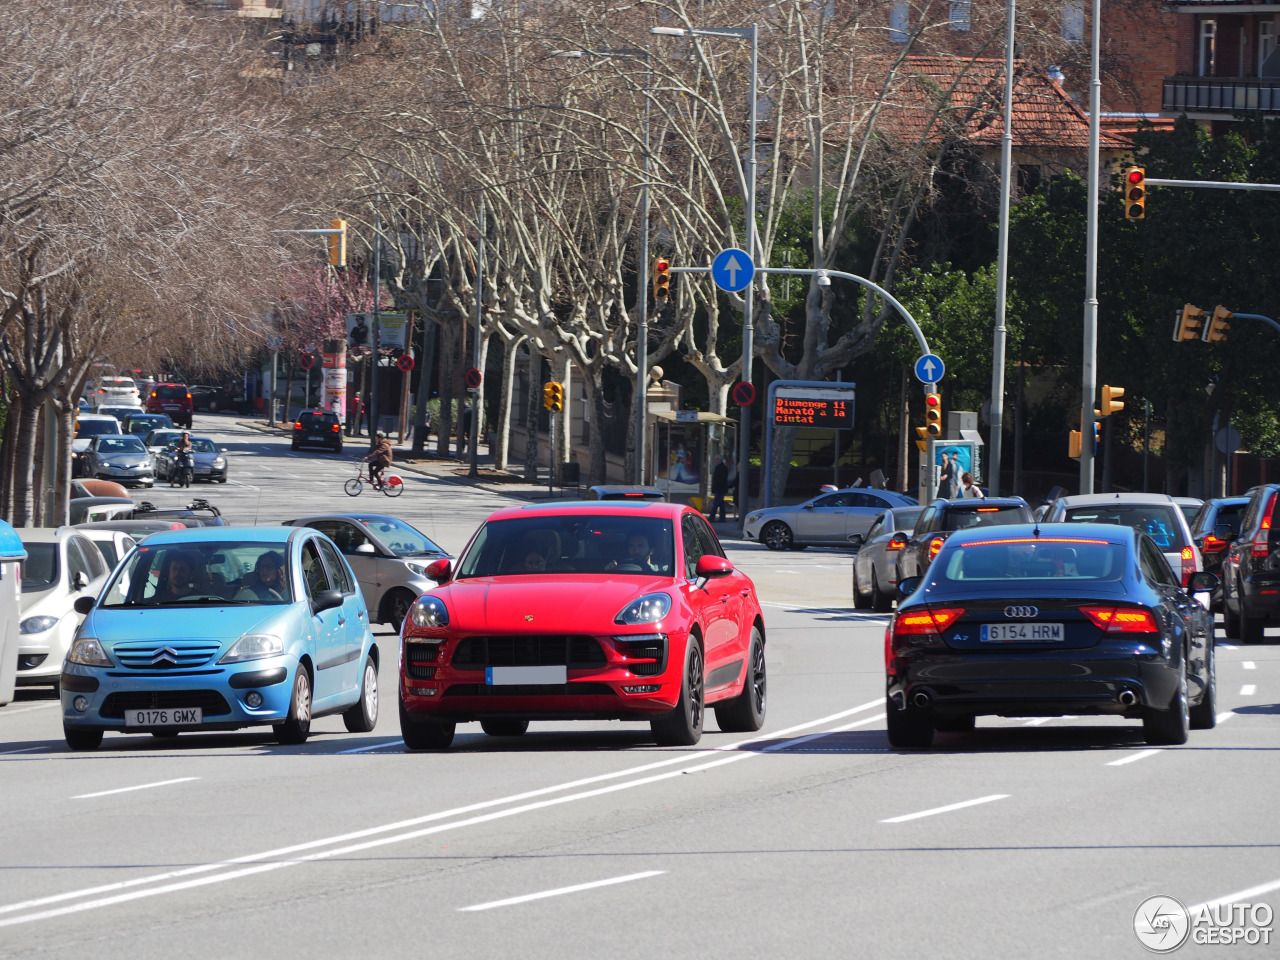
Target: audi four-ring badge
1044 621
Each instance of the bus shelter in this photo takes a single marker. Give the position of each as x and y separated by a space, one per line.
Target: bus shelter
685 445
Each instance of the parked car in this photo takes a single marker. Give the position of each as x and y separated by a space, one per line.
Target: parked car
88 426
115 390
623 492
157 440
213 399
1213 528
173 399
1251 571
219 629
389 558
123 459
875 567
826 520
942 518
90 509
1019 621
112 544
118 410
1155 514
317 428
61 566
210 463
141 424
97 488
614 610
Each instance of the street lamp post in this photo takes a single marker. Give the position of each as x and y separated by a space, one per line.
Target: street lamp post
750 33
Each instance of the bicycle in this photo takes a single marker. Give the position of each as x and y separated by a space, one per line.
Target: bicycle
390 484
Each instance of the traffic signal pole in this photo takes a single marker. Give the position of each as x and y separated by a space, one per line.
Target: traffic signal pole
1088 379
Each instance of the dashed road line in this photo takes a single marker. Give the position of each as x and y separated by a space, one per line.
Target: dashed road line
947 809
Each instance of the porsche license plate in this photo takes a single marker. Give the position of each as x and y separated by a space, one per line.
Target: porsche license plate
1022 633
506 676
171 717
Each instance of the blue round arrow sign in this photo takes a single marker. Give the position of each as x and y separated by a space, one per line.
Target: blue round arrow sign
929 368
732 270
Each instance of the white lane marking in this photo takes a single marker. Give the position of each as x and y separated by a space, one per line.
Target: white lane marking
1249 665
1224 717
561 891
372 746
1140 755
1251 894
14 711
947 809
1225 646
144 786
4 753
370 831
1248 690
1038 721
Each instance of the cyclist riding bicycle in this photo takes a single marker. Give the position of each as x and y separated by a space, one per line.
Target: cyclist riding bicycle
379 457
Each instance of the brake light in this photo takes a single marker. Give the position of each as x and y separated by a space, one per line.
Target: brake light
893 545
935 545
1188 564
889 667
1261 546
153 394
188 396
926 621
988 509
1121 619
1212 544
334 426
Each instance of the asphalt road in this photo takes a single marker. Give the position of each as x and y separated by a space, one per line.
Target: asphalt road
1021 839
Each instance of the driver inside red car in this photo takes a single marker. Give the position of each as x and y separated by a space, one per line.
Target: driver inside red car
639 554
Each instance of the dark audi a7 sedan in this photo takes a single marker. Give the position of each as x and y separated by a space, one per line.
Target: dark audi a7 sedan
1027 621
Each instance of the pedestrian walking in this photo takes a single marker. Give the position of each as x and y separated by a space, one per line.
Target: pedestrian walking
719 487
969 488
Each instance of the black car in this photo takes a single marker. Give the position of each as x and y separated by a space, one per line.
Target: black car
1211 540
197 513
1038 621
212 399
942 518
317 428
1251 569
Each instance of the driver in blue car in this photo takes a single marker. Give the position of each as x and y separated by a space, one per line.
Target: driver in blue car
180 578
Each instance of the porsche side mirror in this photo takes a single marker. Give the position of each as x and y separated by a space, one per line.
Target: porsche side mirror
710 567
439 570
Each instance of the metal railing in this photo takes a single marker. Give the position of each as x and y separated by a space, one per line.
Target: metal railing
1221 94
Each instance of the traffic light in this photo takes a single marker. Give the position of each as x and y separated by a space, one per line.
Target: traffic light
1073 445
553 396
922 443
933 414
338 243
1189 324
1111 402
661 278
1135 193
1216 330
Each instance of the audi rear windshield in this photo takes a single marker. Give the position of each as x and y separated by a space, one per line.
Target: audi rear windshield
1031 558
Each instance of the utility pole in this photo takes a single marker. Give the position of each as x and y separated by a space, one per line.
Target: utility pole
377 320
1088 381
474 439
1002 259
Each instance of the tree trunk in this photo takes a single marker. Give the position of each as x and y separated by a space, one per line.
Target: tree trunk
24 455
62 496
10 459
533 399
477 408
448 358
503 432
561 434
784 441
596 463
420 427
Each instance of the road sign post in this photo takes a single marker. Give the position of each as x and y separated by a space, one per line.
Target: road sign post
930 368
732 270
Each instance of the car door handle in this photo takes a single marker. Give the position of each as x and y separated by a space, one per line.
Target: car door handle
724 599
361 614
342 621
747 592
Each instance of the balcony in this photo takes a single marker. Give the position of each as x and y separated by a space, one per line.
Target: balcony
1221 95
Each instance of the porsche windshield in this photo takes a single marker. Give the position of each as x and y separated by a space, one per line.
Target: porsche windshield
608 544
202 574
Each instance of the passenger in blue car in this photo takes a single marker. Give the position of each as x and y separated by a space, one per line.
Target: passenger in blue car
1154 528
266 582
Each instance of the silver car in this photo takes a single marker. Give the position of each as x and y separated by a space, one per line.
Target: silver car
875 568
827 520
389 558
120 458
209 463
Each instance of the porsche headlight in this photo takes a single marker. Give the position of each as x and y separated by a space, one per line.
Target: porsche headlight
429 611
88 652
38 624
219 462
648 609
253 646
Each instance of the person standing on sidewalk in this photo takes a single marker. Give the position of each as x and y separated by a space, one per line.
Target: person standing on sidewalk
719 487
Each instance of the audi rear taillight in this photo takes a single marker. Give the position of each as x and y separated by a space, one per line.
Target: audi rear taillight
1262 542
889 667
1121 619
916 622
1188 564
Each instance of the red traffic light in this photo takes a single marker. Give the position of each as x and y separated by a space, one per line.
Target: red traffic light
932 399
1136 176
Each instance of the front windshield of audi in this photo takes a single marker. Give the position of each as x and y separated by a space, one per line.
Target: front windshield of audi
202 574
607 544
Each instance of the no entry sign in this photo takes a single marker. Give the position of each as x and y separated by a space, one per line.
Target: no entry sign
473 378
404 362
744 393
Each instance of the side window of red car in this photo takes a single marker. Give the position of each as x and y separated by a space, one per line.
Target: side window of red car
707 538
692 546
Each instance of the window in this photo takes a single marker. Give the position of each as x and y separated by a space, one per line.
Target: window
95 565
877 528
960 18
77 562
699 542
337 569
1208 36
1073 21
313 574
1029 177
1266 45
899 21
1154 564
346 536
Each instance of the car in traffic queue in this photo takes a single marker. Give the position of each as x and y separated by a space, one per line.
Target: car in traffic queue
62 566
122 391
173 399
220 629
317 428
1251 569
120 458
211 398
825 520
388 556
112 544
1214 526
88 426
208 460
622 491
917 548
1189 506
158 439
141 424
876 561
197 513
1049 620
120 411
1156 514
614 610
